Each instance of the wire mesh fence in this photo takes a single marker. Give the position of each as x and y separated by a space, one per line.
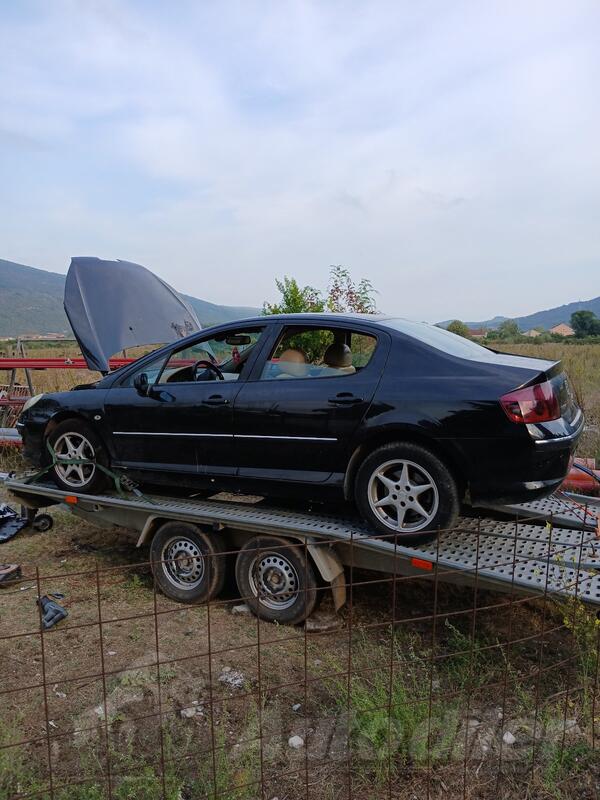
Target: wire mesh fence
415 688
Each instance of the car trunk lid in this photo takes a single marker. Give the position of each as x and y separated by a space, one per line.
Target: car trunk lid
113 305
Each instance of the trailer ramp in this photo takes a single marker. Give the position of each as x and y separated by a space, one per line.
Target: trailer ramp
563 509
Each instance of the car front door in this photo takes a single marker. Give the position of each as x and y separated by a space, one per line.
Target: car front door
183 421
295 417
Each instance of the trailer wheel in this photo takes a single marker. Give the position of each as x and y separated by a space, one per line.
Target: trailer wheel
276 580
186 563
42 523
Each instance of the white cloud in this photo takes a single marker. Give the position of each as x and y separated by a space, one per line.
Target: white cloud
448 152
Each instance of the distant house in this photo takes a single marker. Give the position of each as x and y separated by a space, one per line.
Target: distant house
562 329
477 333
532 333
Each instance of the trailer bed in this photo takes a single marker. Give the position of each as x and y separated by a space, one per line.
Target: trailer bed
521 556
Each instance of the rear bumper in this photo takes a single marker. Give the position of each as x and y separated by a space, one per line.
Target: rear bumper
508 471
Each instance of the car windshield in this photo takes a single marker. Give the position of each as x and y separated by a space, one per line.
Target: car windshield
441 339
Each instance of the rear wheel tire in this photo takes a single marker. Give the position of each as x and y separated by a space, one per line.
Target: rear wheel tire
74 439
403 488
276 579
186 563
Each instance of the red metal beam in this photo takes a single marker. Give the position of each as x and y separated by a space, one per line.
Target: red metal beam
57 363
10 437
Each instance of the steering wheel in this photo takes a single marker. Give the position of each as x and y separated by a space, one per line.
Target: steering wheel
206 365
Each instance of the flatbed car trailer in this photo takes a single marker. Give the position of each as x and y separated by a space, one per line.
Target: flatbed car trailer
545 548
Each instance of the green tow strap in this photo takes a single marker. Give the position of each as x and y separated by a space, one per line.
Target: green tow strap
122 483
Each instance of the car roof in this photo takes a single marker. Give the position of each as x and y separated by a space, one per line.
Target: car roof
314 316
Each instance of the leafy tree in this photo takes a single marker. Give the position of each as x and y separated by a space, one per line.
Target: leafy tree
295 300
345 295
585 323
508 329
458 327
342 294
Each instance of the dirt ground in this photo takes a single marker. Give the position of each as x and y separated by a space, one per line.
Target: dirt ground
497 703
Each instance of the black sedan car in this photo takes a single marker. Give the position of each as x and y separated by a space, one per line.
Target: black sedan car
402 418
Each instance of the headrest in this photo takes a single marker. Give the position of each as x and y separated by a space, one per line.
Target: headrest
293 362
338 355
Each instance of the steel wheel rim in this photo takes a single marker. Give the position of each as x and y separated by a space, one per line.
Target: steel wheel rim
183 563
274 581
74 446
403 495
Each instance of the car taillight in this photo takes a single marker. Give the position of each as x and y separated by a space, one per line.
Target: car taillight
537 403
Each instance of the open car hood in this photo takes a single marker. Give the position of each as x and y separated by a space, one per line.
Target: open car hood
112 305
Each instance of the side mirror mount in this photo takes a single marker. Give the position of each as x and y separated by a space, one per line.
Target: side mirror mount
141 384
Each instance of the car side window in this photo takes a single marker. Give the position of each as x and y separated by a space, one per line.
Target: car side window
224 354
151 368
309 352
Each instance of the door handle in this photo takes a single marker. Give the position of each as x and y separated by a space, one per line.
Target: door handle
215 400
345 399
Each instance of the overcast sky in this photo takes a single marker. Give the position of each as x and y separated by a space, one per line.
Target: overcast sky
448 151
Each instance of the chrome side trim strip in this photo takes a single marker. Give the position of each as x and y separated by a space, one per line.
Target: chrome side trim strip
145 433
231 436
292 438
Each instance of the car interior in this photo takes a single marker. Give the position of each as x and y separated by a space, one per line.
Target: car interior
221 358
318 353
299 353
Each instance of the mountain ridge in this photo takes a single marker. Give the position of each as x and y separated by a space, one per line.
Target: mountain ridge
31 302
546 319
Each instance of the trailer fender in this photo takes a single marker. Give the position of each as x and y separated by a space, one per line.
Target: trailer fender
331 570
147 531
154 521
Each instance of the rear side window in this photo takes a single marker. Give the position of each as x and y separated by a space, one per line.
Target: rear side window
441 339
319 353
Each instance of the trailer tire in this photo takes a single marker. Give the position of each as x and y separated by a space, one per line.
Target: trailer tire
42 523
186 563
276 579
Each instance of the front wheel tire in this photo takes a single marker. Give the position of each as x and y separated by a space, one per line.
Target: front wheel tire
78 451
405 489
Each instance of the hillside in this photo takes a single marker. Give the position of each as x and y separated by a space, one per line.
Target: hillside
546 319
31 301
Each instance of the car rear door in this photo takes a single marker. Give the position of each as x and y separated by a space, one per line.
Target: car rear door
301 428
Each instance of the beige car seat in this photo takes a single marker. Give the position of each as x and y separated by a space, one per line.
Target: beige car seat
292 364
339 356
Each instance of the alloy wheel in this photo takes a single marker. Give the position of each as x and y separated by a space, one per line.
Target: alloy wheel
403 495
74 447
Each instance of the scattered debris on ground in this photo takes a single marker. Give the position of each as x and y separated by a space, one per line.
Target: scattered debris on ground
10 523
52 612
9 573
232 677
